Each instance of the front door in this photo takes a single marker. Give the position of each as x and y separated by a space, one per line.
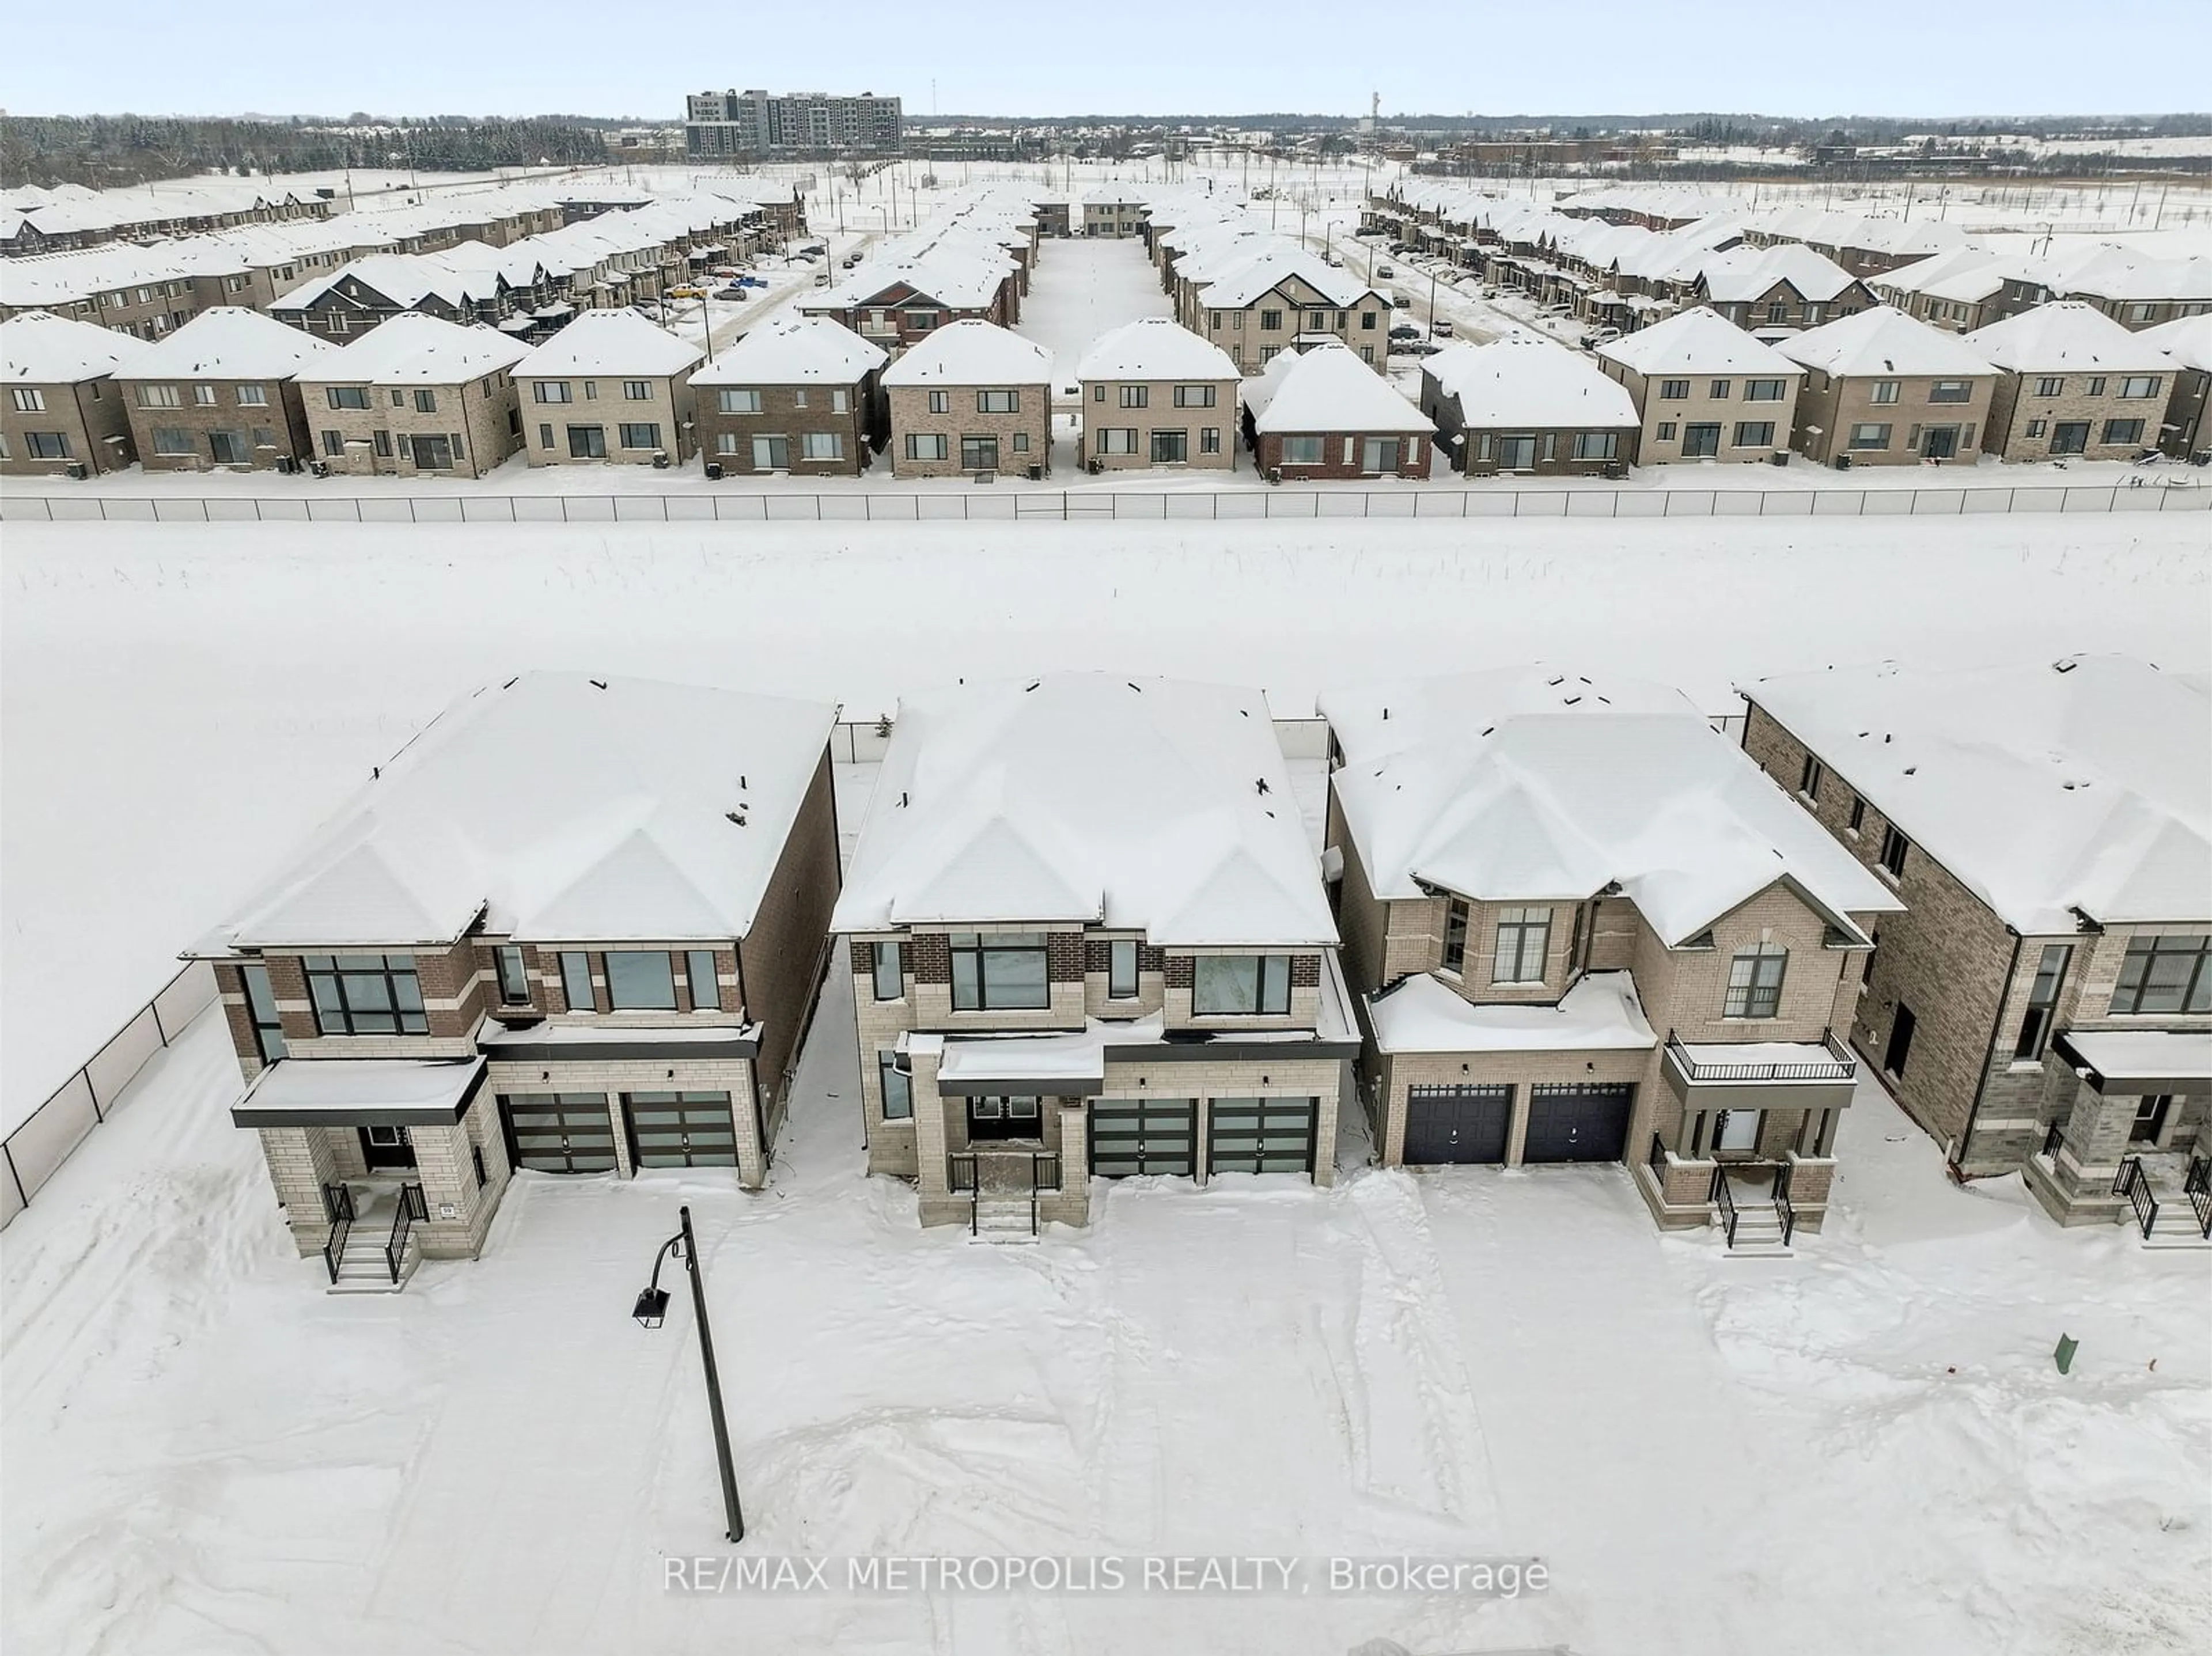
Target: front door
1737 1130
1939 442
1901 1042
386 1147
1011 1116
2150 1124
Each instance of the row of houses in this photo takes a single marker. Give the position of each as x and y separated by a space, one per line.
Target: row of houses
36 219
1088 933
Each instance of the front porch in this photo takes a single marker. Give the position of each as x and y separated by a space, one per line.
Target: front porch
2126 1134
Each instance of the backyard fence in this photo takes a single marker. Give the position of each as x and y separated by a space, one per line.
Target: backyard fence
57 1126
1020 503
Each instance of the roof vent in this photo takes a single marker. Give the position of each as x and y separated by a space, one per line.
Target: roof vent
736 816
2065 666
598 684
1913 770
1261 785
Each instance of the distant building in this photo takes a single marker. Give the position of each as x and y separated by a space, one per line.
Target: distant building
753 125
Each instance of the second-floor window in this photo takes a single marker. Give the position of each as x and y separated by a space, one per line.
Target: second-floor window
890 978
705 985
999 972
514 976
1524 937
998 401
1223 986
261 1009
2042 1003
366 995
1809 779
641 980
1121 969
576 980
739 401
1755 985
1455 935
1893 847
2172 974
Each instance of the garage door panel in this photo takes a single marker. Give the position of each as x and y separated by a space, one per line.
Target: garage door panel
559 1132
681 1129
1579 1122
1260 1135
1130 1138
1447 1126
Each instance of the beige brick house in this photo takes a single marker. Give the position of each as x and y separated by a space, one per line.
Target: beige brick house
1155 394
63 412
802 395
2072 381
1320 413
1086 937
2044 1003
971 398
2187 346
1582 927
221 390
416 396
479 967
1705 389
1258 307
1881 388
1523 405
609 386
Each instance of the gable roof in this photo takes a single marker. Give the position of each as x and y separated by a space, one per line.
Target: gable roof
562 809
619 341
2067 334
1239 284
229 343
1155 348
2186 341
794 351
1522 380
1524 784
1327 389
2085 784
1883 341
1742 274
1085 796
40 348
1696 341
972 352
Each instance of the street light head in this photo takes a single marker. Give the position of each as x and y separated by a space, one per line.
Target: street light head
652 1307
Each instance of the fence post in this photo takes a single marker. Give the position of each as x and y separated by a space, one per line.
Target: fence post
21 1195
93 1093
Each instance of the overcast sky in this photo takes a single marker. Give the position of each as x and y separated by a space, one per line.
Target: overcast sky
1148 56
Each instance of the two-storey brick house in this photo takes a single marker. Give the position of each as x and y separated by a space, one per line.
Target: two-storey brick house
1155 394
62 410
1087 936
1322 413
221 390
1258 308
1881 388
971 398
2044 1005
609 386
2072 381
1584 927
1705 389
2187 344
417 395
575 926
802 395
1523 405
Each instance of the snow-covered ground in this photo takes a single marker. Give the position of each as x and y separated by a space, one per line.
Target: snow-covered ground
1864 1448
182 702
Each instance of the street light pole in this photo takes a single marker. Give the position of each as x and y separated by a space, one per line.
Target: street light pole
652 1310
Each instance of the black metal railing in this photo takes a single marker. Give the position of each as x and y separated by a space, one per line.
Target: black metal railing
1657 1162
1838 1065
960 1171
2197 1187
338 1208
1724 1199
2053 1139
2134 1184
1783 1211
411 1208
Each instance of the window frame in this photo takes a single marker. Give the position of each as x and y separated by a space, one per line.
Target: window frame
703 979
575 974
1121 951
1753 991
890 1079
887 962
400 982
631 960
1270 974
2193 996
512 972
1517 922
979 949
1458 921
2040 1015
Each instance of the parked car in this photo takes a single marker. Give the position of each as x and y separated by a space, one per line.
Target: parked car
1441 327
727 272
850 260
1405 331
687 292
1383 272
735 290
1371 230
1399 302
822 278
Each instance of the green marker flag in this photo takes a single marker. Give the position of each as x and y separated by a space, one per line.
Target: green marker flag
2064 1356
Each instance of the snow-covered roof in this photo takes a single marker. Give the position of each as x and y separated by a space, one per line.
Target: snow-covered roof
1743 274
2066 335
40 348
1327 389
972 353
229 343
562 808
2149 1055
1154 805
1524 381
2085 784
616 341
1241 282
1525 784
1884 341
319 1092
1155 348
1601 1013
801 350
2186 341
1696 341
412 348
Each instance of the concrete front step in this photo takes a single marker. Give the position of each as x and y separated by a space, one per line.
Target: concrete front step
1003 1223
1758 1235
2183 1235
363 1268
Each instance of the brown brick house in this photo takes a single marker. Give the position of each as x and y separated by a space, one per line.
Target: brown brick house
64 409
1322 413
1086 936
896 305
2072 381
475 970
2187 346
1526 406
1881 388
971 398
1155 394
417 396
799 395
1705 389
1583 928
2044 1003
221 390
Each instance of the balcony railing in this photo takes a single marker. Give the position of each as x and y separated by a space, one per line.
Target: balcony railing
1838 1065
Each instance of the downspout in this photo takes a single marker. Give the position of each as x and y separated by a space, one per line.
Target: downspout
1989 1049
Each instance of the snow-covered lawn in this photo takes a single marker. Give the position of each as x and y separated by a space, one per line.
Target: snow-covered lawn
181 702
1865 1448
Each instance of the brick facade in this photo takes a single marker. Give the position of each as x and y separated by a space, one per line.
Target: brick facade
193 435
792 412
1024 437
86 423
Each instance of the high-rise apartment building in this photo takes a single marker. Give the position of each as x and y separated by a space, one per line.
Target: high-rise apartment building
753 125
